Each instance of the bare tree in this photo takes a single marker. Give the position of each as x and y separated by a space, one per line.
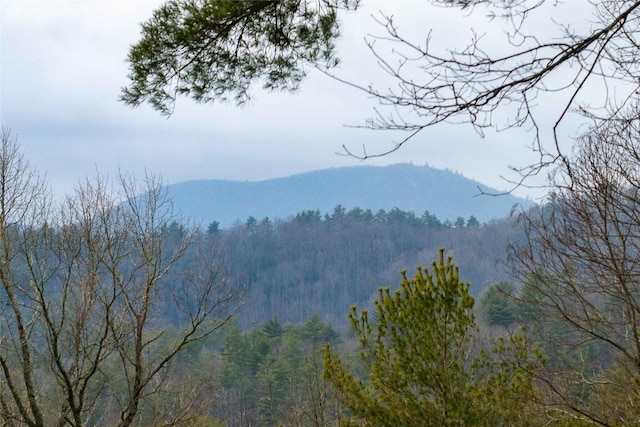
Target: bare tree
84 291
588 62
589 68
581 269
22 201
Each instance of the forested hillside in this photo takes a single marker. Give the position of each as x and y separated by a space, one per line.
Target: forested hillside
324 263
117 313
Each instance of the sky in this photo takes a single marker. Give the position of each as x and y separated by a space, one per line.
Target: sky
63 64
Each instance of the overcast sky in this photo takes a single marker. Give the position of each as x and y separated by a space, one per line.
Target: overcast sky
62 64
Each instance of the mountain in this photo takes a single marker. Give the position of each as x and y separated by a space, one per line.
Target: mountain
445 194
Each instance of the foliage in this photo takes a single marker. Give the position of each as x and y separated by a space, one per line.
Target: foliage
473 222
431 220
497 304
215 50
416 352
213 227
459 223
271 375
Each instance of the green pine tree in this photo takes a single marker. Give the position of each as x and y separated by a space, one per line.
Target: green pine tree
418 354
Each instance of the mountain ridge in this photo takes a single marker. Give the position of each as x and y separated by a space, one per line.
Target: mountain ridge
444 193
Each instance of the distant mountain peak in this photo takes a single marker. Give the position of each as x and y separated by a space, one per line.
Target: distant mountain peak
444 193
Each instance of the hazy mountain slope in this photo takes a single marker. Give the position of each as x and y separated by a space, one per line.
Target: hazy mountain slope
408 187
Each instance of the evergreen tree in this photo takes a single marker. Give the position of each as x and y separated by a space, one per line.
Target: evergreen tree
215 50
213 227
416 356
497 305
473 222
430 220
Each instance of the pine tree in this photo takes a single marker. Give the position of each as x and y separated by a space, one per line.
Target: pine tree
417 352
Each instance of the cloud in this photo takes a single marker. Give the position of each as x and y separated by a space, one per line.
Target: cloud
63 64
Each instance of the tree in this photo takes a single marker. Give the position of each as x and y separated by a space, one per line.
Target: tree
214 50
309 216
213 227
430 220
273 375
497 303
580 267
473 222
339 213
251 223
416 354
83 287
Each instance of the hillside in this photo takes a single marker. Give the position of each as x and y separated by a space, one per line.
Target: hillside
412 188
315 263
